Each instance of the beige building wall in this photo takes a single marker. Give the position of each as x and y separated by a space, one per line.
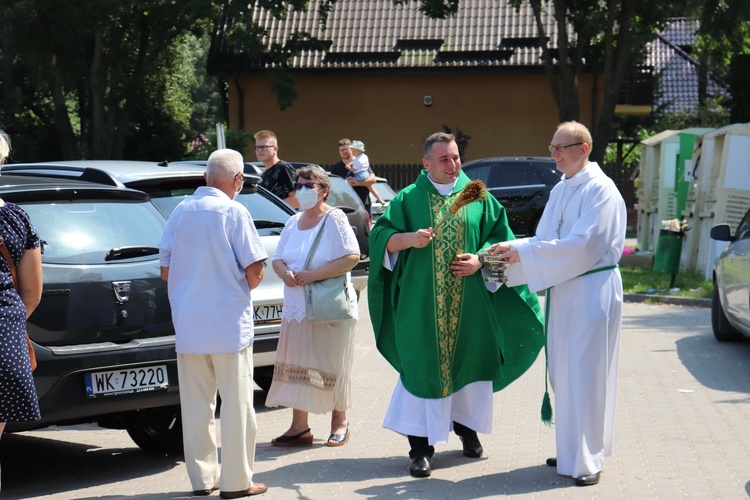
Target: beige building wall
503 114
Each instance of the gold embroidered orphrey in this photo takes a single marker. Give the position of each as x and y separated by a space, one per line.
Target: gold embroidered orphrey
447 287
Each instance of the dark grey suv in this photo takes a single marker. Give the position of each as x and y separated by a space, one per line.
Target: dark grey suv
102 332
168 184
521 183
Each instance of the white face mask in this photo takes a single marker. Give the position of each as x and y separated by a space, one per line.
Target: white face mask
307 198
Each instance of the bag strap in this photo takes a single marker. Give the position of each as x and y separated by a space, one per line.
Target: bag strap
316 240
6 255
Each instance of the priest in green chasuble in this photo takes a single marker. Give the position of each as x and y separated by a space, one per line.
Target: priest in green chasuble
454 339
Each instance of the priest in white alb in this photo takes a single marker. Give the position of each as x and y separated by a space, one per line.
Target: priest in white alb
574 256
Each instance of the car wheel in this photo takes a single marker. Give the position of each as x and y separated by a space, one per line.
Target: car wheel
723 330
162 434
263 376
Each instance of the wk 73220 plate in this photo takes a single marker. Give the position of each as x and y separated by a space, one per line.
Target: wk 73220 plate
126 381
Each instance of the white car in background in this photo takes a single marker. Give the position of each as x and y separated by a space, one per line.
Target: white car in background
386 193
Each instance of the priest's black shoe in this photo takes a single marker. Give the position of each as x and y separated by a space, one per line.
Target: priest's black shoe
420 467
472 446
589 480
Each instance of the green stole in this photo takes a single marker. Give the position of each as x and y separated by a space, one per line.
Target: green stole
439 331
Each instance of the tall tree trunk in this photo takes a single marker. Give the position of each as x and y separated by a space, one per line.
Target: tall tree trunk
62 119
9 51
616 65
702 79
568 77
96 91
563 77
549 66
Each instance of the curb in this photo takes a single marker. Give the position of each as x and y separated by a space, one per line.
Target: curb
666 299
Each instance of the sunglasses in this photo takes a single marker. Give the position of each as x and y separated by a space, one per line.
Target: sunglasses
308 185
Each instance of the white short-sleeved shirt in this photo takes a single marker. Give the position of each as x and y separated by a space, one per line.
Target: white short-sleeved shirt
208 242
294 245
361 163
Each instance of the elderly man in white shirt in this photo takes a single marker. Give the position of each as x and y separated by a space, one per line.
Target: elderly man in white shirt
212 257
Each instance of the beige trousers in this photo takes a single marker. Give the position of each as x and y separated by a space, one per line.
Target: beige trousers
200 376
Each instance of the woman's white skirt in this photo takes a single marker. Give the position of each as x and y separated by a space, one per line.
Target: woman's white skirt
313 366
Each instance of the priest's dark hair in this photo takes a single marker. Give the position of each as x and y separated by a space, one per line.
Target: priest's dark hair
436 137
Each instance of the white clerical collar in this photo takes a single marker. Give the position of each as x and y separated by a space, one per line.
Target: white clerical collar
443 189
588 172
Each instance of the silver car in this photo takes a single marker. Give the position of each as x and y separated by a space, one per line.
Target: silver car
386 193
730 307
168 184
341 196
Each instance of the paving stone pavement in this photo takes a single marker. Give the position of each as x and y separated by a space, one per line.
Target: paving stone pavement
681 432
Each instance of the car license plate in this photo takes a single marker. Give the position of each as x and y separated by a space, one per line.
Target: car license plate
269 313
126 381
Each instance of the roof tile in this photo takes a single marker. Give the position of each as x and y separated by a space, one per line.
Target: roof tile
367 34
377 26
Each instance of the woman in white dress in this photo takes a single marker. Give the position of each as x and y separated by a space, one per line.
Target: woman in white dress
313 365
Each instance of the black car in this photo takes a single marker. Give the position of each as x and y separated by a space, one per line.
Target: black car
522 184
168 184
102 332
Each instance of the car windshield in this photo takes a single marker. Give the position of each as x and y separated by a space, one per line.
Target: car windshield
269 214
342 195
385 191
96 232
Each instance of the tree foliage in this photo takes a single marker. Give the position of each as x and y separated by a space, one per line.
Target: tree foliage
112 78
97 66
724 48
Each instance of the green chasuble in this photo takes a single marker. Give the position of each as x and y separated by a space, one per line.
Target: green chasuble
439 331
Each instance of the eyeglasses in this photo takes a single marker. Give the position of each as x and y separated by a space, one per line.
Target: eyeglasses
308 185
242 178
560 148
261 148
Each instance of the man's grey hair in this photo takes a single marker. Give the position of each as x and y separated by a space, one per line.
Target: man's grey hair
223 165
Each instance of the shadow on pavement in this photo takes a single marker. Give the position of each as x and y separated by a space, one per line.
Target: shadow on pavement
357 470
721 366
34 465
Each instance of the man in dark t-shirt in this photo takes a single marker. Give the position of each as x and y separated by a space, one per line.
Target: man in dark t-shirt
279 175
339 168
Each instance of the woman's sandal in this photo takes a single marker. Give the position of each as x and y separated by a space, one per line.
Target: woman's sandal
339 439
296 440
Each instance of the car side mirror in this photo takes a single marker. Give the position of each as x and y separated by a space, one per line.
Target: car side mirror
721 232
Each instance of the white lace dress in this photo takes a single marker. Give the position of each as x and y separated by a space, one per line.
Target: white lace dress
313 360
